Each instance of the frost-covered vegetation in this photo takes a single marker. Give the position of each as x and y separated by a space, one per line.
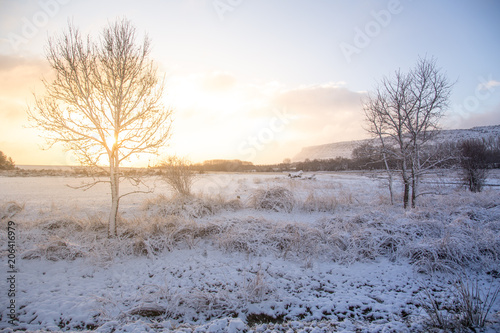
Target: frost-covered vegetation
6 163
256 253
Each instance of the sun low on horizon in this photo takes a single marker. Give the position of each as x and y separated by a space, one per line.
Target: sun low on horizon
258 81
250 165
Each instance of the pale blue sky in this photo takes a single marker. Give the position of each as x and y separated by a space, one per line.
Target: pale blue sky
232 64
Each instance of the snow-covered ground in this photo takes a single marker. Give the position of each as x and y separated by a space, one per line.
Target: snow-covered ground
249 252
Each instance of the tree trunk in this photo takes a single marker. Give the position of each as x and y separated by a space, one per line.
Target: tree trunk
415 173
389 175
391 193
414 189
406 182
115 192
415 184
406 195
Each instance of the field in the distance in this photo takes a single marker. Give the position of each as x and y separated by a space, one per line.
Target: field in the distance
252 252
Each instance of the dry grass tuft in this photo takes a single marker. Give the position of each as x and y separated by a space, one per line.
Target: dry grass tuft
9 209
160 234
61 223
474 303
278 199
467 308
319 203
189 206
55 249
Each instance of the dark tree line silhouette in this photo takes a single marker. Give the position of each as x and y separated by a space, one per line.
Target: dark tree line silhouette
368 157
6 163
444 155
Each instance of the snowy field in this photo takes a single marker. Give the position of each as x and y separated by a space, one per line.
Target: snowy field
252 253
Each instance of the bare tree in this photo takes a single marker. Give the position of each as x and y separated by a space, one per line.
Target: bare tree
178 173
384 113
430 94
6 163
474 164
404 112
104 103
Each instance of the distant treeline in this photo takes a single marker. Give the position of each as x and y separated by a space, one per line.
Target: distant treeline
364 157
369 157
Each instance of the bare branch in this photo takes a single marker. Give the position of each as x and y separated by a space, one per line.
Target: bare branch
105 103
404 111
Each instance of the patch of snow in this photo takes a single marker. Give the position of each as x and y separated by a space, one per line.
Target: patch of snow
317 268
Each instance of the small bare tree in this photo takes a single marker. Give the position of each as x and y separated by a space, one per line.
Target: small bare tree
474 164
178 173
404 112
6 163
105 103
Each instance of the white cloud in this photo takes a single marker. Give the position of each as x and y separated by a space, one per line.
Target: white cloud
328 112
219 81
218 116
488 85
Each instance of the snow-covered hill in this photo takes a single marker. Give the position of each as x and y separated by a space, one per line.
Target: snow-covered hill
345 148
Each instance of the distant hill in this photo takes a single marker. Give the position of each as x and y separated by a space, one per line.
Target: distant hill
345 148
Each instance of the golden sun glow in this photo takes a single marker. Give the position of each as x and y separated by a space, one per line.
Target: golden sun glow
110 141
189 94
200 108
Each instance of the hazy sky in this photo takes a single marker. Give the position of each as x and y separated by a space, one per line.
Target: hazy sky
257 80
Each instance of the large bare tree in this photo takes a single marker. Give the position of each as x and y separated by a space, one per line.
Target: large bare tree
404 111
105 103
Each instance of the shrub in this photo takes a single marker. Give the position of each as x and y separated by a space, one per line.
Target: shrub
177 172
6 163
473 160
278 199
